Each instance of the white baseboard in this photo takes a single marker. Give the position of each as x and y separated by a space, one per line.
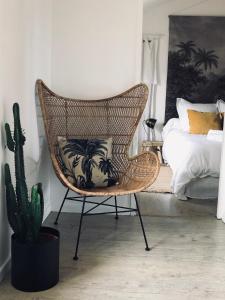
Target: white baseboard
4 268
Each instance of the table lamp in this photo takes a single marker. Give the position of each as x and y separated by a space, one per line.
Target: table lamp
151 125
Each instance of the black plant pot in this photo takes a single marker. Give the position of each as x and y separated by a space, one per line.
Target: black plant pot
35 266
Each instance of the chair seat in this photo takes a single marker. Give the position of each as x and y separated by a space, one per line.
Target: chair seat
116 190
141 172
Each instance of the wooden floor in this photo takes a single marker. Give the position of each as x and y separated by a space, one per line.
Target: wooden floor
167 205
187 260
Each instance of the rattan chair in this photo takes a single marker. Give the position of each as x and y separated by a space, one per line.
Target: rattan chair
115 117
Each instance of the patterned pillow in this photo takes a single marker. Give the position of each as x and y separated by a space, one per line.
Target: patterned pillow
88 162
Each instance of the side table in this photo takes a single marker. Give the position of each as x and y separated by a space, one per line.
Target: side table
155 146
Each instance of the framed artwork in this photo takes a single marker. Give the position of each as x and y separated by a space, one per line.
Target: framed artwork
196 61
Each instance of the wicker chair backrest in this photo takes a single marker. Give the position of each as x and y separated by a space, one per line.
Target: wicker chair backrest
115 117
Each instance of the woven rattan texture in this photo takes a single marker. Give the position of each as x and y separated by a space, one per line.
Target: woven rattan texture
115 117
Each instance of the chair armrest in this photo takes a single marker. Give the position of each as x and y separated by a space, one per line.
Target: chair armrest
142 171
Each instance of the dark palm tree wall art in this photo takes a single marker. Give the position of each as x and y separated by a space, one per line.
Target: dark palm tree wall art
196 61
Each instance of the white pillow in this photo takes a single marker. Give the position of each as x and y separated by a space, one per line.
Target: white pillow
172 124
220 106
184 105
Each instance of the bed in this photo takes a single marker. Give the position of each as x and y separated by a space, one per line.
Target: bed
194 160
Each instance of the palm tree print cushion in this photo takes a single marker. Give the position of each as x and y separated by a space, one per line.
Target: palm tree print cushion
88 162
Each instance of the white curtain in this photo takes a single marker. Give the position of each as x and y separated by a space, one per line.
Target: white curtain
221 195
150 76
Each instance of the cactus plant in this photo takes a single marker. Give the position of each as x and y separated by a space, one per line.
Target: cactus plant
25 215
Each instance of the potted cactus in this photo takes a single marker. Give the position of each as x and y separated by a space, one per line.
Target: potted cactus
34 248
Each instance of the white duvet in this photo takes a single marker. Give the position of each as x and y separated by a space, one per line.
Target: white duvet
189 156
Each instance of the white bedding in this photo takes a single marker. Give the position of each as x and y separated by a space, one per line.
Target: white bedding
189 155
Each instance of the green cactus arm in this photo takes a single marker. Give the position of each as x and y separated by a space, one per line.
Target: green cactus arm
40 192
8 179
36 212
14 217
9 138
18 134
11 203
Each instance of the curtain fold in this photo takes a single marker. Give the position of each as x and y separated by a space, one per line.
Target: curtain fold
150 76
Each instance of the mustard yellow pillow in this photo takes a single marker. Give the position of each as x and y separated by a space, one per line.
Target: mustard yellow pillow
202 122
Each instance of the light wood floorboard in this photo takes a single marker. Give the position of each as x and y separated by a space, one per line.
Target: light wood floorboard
187 260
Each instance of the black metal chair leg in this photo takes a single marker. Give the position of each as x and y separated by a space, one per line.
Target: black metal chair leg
79 230
64 199
142 226
116 217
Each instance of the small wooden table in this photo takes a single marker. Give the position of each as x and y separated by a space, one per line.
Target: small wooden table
155 146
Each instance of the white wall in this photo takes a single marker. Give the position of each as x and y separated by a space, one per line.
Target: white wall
4 229
96 46
96 52
80 48
25 39
156 21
